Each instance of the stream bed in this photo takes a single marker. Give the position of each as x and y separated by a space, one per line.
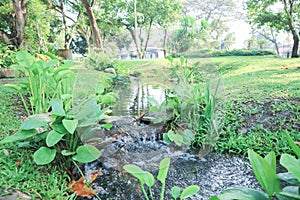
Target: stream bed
131 141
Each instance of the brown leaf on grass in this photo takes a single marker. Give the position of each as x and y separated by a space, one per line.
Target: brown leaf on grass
81 188
19 163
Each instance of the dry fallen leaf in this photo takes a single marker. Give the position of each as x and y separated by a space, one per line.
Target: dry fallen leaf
19 163
80 187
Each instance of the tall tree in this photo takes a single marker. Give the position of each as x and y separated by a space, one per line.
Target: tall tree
278 14
20 17
217 13
97 41
169 12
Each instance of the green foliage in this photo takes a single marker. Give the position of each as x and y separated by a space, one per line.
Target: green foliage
62 135
265 172
183 39
191 107
147 178
7 55
218 53
97 60
44 81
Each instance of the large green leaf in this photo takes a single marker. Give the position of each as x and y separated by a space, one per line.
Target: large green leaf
149 179
109 98
189 191
175 137
241 193
289 192
135 171
53 138
163 170
175 192
70 125
271 160
291 164
143 176
86 153
32 123
20 135
58 126
44 155
24 58
289 178
264 173
292 144
57 107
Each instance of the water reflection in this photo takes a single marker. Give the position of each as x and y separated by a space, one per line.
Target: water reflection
133 98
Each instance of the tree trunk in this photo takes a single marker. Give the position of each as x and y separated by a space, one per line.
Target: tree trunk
135 42
20 12
93 24
288 7
295 45
134 36
147 40
165 42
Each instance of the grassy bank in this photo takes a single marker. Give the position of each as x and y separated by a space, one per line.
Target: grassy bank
17 169
262 96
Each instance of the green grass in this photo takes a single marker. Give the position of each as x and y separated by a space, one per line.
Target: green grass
44 182
261 95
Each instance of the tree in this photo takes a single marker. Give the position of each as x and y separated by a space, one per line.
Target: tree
25 24
278 14
217 13
183 38
269 34
168 13
20 17
97 41
139 19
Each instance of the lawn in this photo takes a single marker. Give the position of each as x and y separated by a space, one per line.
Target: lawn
261 94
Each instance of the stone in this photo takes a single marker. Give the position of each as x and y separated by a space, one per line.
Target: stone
110 70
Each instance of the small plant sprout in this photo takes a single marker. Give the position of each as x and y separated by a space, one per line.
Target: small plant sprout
146 178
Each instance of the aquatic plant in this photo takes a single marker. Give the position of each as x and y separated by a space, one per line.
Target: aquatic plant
146 178
43 81
265 172
192 107
61 135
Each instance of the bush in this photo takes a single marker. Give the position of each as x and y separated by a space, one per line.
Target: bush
7 55
98 60
218 53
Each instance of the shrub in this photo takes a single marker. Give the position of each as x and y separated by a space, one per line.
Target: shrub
218 53
7 55
98 60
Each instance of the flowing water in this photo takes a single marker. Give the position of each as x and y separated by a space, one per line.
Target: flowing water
131 141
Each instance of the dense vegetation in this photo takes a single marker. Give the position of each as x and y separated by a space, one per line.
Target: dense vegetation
228 101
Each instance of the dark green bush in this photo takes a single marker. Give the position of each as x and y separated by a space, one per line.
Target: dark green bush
7 55
217 53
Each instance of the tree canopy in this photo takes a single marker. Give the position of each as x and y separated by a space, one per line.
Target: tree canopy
278 14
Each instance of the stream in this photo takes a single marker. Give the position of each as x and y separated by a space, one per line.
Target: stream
131 141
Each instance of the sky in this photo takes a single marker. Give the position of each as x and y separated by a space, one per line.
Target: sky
242 32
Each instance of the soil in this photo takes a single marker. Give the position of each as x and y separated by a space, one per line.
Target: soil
268 117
